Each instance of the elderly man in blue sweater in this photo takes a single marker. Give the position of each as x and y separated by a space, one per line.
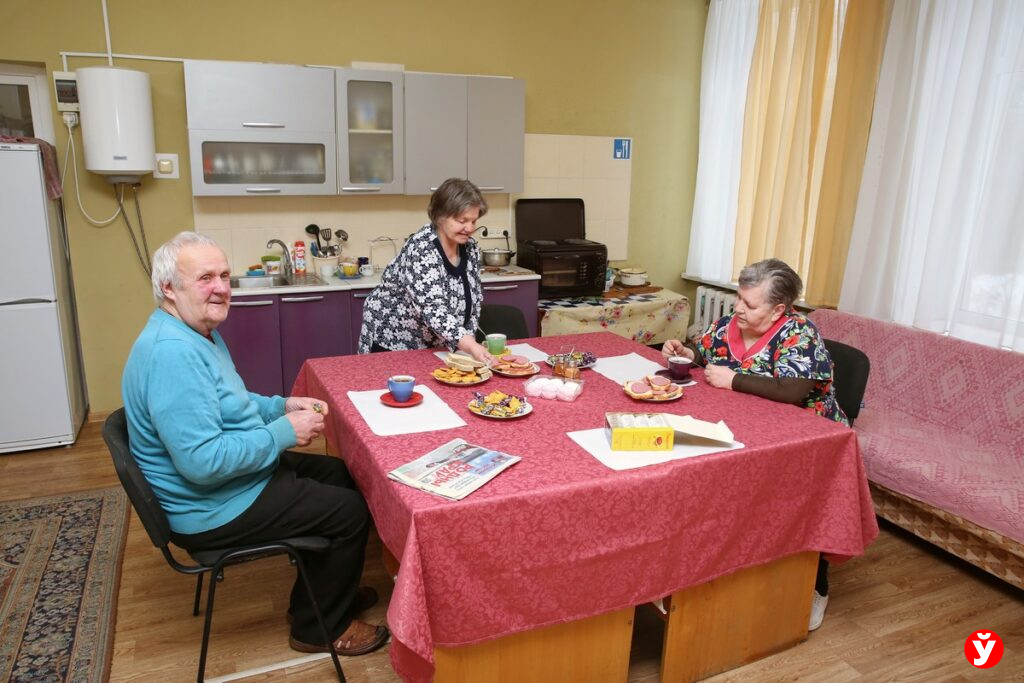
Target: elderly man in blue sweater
216 455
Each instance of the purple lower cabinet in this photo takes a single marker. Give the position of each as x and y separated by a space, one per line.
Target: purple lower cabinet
522 294
356 315
313 325
251 334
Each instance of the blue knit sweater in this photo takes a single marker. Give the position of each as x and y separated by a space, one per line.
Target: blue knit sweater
205 444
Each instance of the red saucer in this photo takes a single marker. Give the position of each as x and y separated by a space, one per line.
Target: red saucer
389 400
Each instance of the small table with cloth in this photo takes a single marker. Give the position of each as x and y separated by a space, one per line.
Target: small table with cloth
560 539
649 315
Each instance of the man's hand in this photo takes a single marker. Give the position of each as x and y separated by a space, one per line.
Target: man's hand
305 403
307 424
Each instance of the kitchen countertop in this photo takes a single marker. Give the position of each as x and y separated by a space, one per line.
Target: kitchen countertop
334 284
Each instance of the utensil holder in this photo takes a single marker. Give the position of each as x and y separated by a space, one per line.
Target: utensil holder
318 261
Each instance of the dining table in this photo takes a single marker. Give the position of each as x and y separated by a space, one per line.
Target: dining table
561 541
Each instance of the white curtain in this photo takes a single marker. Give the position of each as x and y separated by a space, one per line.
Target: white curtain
725 67
938 238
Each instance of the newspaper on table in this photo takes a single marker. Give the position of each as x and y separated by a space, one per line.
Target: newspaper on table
454 470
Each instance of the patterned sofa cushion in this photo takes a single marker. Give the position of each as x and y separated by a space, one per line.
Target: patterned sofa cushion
943 419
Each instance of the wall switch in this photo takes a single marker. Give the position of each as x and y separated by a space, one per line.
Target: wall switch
166 166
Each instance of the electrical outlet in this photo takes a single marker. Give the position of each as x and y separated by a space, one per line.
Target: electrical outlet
166 166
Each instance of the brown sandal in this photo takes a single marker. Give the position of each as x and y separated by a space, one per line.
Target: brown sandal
359 638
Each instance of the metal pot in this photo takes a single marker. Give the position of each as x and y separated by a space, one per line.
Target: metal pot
497 257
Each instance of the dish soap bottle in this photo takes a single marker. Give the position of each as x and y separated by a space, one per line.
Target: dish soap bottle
300 258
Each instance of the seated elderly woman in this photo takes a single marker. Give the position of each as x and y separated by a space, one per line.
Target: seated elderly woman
768 349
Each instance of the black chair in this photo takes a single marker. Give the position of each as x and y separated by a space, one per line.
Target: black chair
849 376
500 319
115 433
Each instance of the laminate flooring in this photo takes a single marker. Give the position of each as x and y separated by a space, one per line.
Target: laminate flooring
901 612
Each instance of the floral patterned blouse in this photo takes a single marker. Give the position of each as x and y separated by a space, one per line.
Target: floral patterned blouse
793 347
423 301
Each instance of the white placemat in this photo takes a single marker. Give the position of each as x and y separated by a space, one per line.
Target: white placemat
595 442
429 416
525 350
621 369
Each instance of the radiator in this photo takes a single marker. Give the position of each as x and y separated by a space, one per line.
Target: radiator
711 304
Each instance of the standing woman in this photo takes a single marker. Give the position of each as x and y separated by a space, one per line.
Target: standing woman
430 295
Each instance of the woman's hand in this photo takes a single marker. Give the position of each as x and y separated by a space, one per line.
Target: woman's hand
478 351
719 376
304 403
307 425
674 347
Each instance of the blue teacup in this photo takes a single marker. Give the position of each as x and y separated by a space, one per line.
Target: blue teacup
401 387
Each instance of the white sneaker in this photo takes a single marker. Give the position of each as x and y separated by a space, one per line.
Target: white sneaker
818 605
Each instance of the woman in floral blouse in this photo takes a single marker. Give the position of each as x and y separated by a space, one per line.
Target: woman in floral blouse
430 295
766 348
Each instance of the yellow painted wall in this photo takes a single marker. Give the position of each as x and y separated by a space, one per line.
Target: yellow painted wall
605 67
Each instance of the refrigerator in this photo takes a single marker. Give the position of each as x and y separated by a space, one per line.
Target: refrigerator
42 389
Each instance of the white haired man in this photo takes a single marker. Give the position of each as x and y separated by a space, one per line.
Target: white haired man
216 455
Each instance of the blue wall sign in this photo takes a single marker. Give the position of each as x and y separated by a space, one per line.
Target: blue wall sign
622 147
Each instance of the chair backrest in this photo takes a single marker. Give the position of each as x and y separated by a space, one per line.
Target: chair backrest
501 319
849 376
140 493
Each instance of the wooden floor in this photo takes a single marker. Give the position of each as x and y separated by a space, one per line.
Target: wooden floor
900 613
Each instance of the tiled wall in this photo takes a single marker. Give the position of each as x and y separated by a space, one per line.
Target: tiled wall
583 166
555 166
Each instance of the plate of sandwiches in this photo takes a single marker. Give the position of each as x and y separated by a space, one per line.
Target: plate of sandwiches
653 388
462 371
511 365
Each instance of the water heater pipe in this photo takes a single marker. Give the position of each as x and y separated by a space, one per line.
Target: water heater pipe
106 31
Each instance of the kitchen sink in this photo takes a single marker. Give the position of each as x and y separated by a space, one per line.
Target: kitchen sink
253 281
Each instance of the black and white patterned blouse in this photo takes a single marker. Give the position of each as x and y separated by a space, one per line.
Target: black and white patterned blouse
423 301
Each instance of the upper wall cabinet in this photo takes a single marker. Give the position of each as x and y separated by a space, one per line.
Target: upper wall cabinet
257 129
370 117
465 127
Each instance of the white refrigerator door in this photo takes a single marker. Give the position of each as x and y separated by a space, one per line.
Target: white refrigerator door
27 273
34 408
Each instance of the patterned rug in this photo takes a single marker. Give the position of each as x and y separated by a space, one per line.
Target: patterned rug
60 568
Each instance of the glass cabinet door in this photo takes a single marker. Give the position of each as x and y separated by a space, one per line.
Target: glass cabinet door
370 131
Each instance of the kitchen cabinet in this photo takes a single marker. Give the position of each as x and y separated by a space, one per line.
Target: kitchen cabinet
313 325
252 334
522 294
370 123
271 336
356 315
260 129
464 127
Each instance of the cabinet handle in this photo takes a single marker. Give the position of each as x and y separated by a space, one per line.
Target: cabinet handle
257 124
361 296
492 188
299 299
500 289
262 190
251 303
360 189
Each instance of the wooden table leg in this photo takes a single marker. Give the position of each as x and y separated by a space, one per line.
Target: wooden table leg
594 649
738 618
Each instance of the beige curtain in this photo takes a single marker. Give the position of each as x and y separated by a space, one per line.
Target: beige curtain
805 132
860 59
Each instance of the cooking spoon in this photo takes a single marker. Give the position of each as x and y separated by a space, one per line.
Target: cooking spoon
314 230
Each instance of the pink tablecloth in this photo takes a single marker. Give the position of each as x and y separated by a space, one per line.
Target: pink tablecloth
560 537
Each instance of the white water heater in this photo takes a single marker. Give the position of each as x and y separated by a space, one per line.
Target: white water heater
117 122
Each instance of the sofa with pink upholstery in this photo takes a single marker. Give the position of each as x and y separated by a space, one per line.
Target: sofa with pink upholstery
941 431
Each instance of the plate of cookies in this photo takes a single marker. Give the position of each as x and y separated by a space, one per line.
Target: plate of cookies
511 365
653 388
462 371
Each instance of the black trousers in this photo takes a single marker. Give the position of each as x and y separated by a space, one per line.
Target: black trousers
821 580
308 495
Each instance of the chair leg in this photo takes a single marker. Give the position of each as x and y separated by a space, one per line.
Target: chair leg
319 617
199 592
206 624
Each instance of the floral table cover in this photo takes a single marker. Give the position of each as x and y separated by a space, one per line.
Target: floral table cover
662 317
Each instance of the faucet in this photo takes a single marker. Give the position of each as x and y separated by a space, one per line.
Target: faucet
287 267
